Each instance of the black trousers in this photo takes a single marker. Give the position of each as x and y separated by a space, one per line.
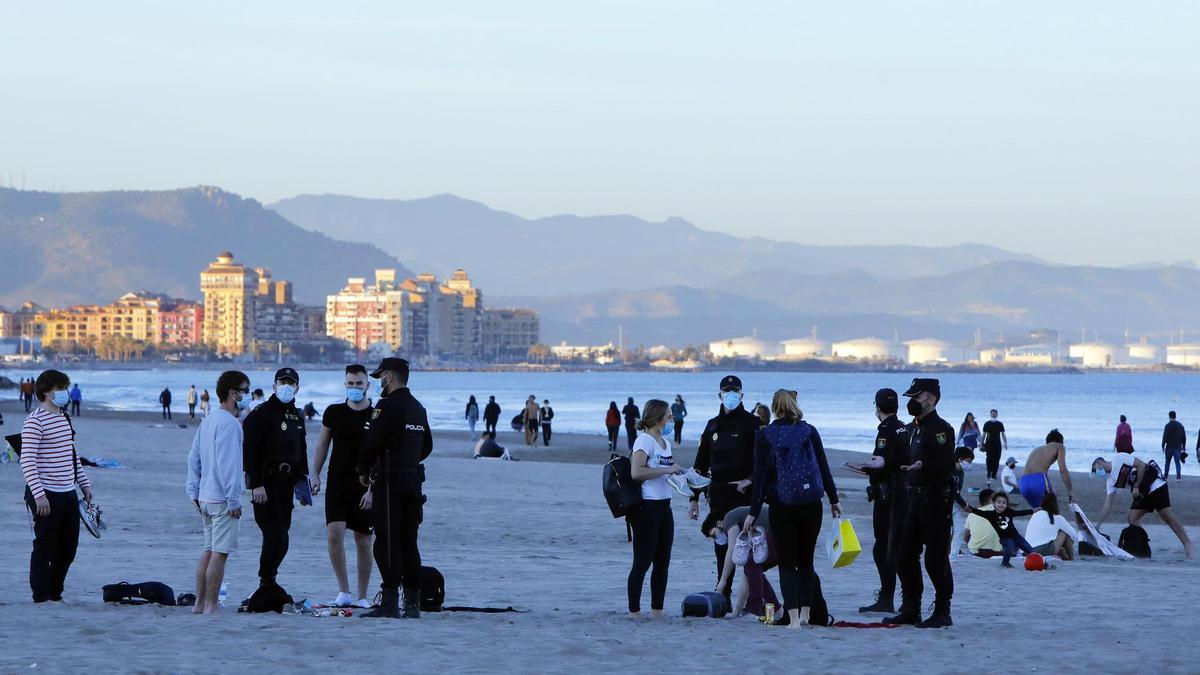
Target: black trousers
614 431
55 540
75 408
166 411
489 426
191 410
678 432
653 535
28 402
795 530
927 527
881 521
274 520
397 515
630 434
546 434
993 462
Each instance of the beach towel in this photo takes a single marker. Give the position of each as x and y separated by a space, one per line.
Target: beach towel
1088 533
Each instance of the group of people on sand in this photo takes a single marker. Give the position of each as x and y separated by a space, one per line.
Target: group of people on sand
535 421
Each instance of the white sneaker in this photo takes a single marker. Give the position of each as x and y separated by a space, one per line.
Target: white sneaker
343 600
363 603
741 549
695 480
758 545
678 481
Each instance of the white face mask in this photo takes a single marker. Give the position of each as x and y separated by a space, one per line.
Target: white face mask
286 393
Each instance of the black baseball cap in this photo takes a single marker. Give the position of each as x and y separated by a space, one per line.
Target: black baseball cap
396 364
887 400
928 384
287 374
731 383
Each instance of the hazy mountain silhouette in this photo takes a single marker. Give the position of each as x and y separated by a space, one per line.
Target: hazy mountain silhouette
68 248
511 255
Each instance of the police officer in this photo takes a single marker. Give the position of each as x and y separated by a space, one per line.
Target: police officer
928 519
397 441
275 458
891 444
726 454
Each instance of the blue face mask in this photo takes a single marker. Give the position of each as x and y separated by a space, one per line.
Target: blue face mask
355 395
1100 473
668 429
285 393
243 403
731 400
61 398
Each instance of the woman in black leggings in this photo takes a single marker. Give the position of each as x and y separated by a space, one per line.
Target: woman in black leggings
790 464
651 520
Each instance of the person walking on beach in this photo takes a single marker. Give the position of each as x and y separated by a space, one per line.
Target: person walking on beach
215 483
275 456
472 416
632 415
348 503
52 470
726 455
968 433
679 412
76 399
397 440
192 399
1124 438
27 388
994 441
887 489
1150 494
491 415
929 465
790 466
530 419
164 399
612 422
204 402
545 415
653 526
1174 442
1035 480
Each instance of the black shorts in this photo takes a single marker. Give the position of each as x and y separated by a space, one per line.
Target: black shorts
1155 501
342 497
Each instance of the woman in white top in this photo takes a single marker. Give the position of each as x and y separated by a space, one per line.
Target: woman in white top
1049 533
652 522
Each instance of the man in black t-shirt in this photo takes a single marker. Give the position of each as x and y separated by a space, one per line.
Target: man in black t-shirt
994 441
347 502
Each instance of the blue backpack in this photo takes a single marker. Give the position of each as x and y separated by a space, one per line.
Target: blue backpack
798 476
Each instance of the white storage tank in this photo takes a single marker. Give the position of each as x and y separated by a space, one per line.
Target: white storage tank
1187 354
801 348
1095 355
740 347
1144 353
870 349
928 350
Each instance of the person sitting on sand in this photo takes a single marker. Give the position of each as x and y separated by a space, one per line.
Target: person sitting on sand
1150 493
1008 477
981 538
754 590
1002 519
488 448
1049 533
1035 481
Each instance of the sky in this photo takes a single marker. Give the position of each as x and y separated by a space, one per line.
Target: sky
1065 129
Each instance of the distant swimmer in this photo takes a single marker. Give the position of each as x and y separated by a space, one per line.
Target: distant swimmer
1150 493
1035 481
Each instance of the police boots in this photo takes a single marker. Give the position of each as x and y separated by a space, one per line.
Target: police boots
906 617
884 604
939 619
412 604
389 606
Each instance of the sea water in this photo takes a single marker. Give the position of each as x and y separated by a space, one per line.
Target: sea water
1085 407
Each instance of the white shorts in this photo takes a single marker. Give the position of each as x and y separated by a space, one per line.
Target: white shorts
220 528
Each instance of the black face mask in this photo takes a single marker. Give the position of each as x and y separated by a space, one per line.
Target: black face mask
915 408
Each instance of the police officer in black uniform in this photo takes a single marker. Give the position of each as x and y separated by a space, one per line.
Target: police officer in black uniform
891 445
726 454
928 519
397 441
275 459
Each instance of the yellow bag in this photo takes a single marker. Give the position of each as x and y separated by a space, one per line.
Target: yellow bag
842 544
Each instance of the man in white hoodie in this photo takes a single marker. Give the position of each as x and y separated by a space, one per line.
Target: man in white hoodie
215 483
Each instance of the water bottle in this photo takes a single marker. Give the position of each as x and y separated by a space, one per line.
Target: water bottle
222 595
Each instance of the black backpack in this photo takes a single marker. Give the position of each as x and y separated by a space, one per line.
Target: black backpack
1135 541
705 605
621 491
433 589
139 594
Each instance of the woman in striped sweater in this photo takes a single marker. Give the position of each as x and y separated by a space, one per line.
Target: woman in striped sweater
52 470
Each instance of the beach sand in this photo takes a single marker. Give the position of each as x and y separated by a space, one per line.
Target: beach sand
537 535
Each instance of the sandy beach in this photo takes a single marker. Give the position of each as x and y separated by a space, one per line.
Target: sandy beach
537 535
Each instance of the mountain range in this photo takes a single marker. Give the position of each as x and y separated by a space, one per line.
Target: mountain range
92 247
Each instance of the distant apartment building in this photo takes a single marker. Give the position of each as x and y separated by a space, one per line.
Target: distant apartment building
365 315
134 316
278 319
509 333
181 324
18 323
230 296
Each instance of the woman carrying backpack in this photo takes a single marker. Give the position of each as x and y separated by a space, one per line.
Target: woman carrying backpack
790 470
472 415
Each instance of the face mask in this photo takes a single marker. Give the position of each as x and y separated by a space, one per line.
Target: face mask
731 400
383 384
285 393
668 429
355 395
1099 473
722 539
61 398
915 408
243 403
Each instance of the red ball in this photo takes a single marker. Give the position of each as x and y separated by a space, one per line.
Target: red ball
1034 562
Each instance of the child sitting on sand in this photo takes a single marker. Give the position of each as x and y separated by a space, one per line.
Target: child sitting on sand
1001 519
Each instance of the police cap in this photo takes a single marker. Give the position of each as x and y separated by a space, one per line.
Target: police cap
731 383
391 363
922 384
886 400
287 373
